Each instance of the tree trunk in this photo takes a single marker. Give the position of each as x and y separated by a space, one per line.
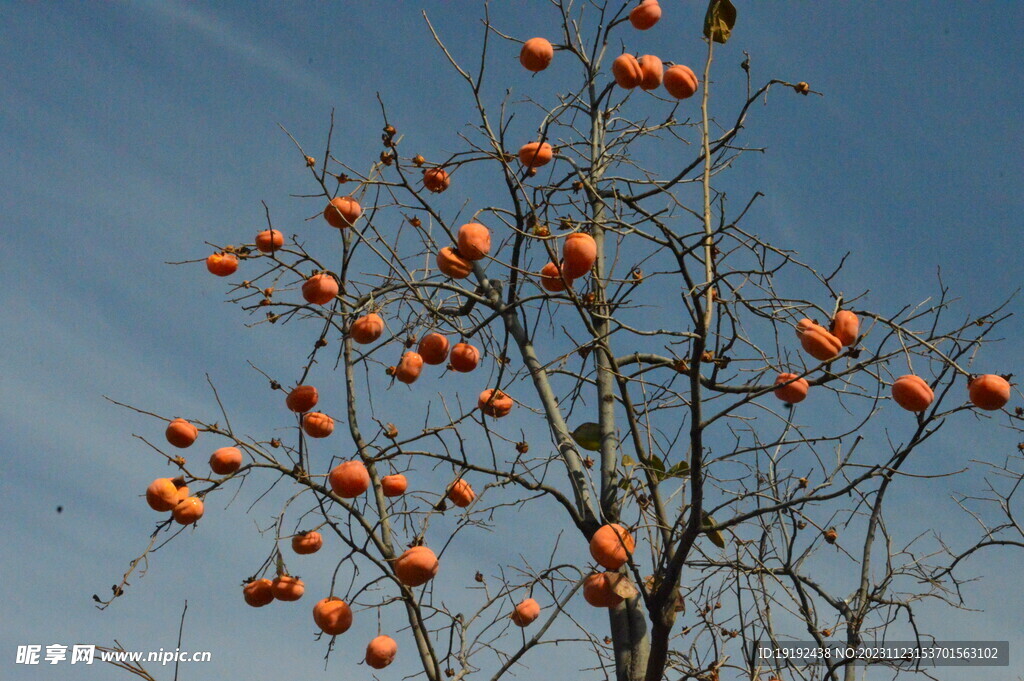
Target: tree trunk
629 639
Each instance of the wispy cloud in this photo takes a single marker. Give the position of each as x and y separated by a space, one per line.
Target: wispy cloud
234 39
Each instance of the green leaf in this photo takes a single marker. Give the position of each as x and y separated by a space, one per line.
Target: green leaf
680 470
627 460
719 20
707 524
657 466
588 436
717 538
661 474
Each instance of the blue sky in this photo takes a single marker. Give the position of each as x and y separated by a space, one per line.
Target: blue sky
135 132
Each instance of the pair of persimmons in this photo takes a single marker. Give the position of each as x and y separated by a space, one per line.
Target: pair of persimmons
611 546
911 392
224 264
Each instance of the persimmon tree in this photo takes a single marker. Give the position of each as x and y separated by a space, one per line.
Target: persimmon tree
721 423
